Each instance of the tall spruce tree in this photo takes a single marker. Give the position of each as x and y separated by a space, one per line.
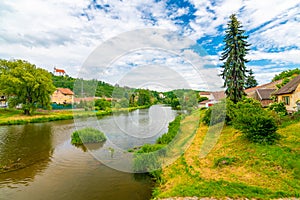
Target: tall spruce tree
233 55
250 80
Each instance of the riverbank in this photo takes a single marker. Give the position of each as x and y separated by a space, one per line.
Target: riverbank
235 168
16 117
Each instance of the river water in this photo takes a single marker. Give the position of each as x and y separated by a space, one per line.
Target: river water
39 162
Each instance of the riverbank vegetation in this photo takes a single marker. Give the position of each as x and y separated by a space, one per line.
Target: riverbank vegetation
236 167
16 117
86 136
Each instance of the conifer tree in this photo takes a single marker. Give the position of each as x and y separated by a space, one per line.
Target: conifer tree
250 80
233 57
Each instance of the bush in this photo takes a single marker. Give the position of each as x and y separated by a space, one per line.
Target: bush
87 135
279 108
256 124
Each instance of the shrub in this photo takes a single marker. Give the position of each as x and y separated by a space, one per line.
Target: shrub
87 135
256 124
279 108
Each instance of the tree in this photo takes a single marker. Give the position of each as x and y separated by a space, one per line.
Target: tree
144 98
233 55
26 84
250 80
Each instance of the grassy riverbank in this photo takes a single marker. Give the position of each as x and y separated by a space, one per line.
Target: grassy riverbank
235 168
15 117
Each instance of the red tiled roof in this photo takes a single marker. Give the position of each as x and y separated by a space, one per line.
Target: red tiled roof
219 95
204 93
66 91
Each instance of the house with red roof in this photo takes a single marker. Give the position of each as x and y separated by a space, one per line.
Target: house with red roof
62 96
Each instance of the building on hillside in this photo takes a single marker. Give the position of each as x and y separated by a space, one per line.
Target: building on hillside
213 98
289 94
205 94
60 72
62 96
264 96
251 92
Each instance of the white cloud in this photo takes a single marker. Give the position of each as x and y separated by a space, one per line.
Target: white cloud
54 33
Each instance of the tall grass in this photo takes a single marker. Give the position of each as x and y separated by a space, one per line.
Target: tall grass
87 135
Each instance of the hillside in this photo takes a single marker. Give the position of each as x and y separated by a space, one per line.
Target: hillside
236 168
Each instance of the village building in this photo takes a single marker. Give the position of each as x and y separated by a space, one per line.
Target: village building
60 72
264 96
263 93
213 98
289 94
62 96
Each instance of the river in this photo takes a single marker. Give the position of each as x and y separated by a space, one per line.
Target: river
43 164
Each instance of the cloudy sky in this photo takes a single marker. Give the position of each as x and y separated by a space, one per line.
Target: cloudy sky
64 33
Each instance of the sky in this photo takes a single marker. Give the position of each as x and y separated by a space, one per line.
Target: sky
67 33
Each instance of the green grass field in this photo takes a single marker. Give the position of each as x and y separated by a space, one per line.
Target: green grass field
235 168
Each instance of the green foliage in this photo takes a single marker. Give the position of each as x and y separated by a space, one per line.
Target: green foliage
215 114
233 55
200 99
256 124
87 135
63 81
102 104
172 132
250 80
26 84
144 97
284 82
224 161
279 108
286 74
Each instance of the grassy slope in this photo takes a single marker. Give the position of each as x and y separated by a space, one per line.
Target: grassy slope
258 171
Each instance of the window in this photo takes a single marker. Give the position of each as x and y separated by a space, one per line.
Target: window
286 100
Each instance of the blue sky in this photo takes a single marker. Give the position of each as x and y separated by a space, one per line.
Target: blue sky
63 33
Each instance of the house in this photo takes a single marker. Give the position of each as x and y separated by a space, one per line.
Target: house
251 92
205 94
289 94
213 97
59 71
62 96
264 96
263 93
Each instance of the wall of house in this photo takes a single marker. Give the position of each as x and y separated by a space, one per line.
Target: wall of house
280 98
60 98
295 98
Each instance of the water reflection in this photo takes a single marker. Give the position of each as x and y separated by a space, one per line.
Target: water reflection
49 167
23 146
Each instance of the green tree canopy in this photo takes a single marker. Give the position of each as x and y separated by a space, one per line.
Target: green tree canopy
233 55
287 74
250 80
26 84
